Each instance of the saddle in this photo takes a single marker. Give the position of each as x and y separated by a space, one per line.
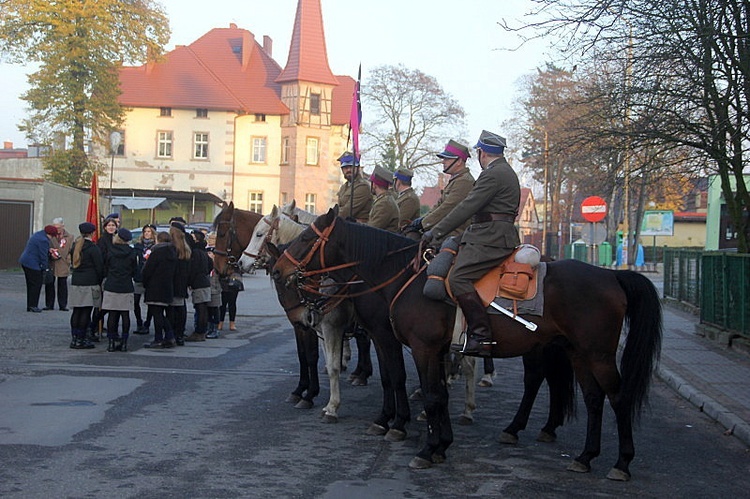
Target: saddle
512 279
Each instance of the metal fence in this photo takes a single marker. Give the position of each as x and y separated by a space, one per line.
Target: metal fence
718 283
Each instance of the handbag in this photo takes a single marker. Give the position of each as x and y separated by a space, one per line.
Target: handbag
48 277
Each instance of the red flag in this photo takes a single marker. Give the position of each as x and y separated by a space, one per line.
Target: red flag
92 212
355 117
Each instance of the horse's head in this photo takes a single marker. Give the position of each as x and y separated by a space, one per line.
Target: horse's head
225 260
253 255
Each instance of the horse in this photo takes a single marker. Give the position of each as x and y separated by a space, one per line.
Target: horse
281 226
585 308
233 229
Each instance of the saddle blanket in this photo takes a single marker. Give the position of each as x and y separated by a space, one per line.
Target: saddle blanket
535 306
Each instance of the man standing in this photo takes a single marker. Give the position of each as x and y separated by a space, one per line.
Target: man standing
354 198
60 262
384 213
35 261
406 199
454 158
491 237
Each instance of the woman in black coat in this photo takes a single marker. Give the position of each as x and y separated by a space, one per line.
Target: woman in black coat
158 283
200 284
121 264
143 251
85 290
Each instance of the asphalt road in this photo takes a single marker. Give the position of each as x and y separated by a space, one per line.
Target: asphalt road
209 421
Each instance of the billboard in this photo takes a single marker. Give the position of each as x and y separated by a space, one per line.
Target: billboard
657 223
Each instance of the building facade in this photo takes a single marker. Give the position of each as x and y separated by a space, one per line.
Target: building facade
221 116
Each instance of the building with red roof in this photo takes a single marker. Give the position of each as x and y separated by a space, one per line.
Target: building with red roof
222 116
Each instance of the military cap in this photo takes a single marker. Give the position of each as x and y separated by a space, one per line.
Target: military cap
404 174
454 150
348 159
491 143
381 177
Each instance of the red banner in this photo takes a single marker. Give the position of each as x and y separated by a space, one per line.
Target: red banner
92 212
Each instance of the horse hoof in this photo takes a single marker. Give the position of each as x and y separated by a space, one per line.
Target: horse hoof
577 467
394 435
438 458
359 381
618 475
417 395
465 420
508 438
304 404
293 398
329 418
422 417
376 430
545 437
420 463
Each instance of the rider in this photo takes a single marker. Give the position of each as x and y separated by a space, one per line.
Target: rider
491 237
384 212
454 157
406 199
357 206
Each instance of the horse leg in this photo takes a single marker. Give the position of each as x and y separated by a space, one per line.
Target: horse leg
593 397
533 376
561 383
304 380
333 337
439 431
468 366
346 354
364 360
312 355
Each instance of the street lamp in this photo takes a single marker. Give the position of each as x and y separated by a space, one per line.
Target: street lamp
115 139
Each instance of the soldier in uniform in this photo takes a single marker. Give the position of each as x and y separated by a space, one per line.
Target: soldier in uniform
358 207
461 181
384 212
492 206
406 199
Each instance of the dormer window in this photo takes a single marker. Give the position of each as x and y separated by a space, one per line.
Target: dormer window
260 117
315 104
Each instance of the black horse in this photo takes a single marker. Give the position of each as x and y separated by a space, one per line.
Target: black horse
585 309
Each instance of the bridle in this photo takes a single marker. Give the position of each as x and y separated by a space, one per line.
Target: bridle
261 257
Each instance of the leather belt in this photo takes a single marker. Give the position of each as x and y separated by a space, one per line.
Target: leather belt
483 216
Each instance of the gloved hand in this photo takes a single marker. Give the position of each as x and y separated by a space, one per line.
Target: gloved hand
416 224
427 237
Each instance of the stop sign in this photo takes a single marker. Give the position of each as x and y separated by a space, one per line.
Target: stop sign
594 209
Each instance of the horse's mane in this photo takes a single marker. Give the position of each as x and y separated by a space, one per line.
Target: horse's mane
380 252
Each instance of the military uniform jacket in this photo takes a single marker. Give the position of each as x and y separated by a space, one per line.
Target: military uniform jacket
496 191
362 200
408 206
384 213
456 191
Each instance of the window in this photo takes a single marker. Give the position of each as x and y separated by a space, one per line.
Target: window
260 117
310 202
259 150
286 150
164 145
201 113
121 146
311 151
165 111
284 198
200 145
315 104
255 201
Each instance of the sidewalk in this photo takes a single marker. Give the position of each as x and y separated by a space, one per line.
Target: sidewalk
714 379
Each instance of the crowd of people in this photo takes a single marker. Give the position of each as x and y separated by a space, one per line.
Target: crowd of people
111 274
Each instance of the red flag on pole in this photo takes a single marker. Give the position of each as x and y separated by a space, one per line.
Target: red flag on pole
92 212
355 117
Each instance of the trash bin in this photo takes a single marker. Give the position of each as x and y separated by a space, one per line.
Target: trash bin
605 254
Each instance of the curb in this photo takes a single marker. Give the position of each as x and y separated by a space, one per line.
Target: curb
714 410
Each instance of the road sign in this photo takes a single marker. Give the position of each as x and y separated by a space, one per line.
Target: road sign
594 209
594 234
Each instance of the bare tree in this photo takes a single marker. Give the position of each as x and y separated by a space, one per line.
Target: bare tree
408 117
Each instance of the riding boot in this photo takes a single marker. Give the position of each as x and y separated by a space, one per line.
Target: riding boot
479 334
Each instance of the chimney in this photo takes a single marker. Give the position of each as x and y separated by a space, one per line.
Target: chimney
268 45
7 145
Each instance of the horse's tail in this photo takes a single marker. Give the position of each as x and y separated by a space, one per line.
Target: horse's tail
643 343
558 372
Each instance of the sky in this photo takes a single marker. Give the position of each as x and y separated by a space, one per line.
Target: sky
458 43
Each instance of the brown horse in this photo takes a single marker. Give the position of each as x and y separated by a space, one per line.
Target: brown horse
585 308
233 230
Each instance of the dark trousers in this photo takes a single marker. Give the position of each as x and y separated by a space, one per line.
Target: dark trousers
228 303
61 284
33 286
